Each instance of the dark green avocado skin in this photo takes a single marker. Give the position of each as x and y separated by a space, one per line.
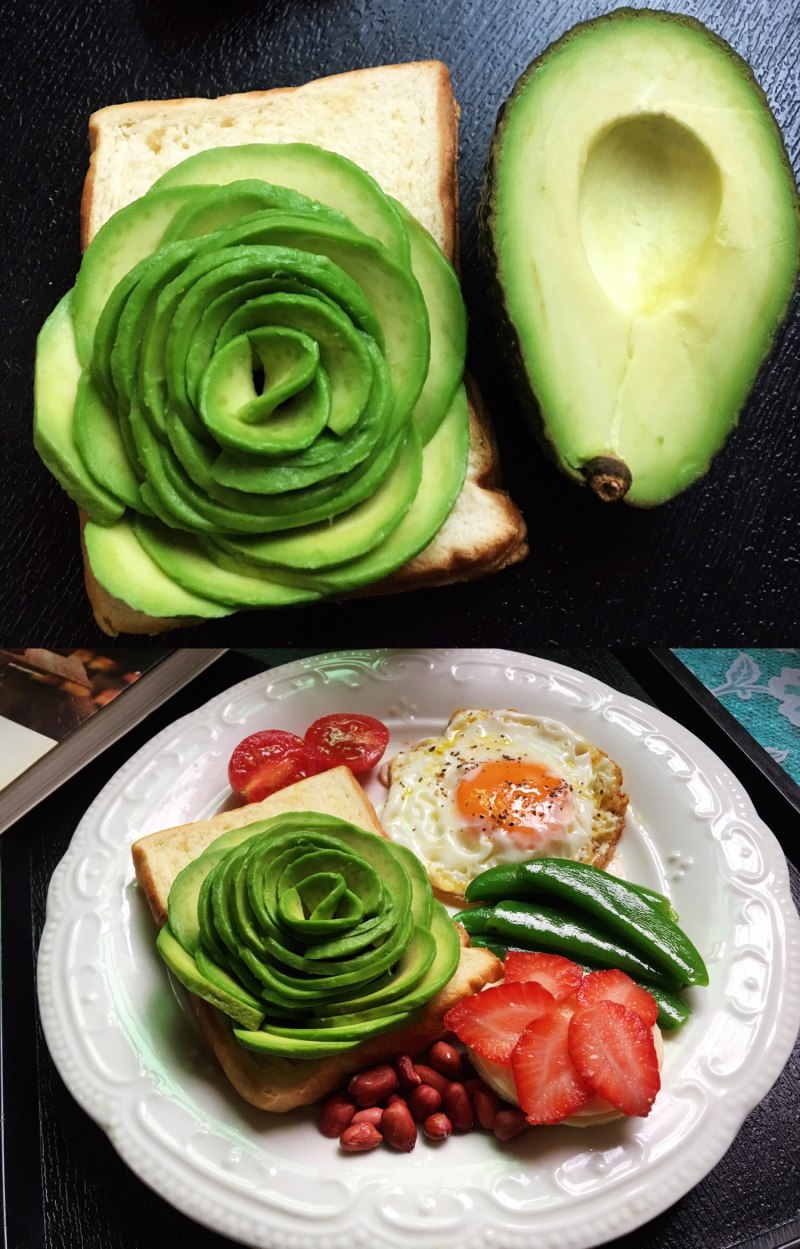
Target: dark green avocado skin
508 340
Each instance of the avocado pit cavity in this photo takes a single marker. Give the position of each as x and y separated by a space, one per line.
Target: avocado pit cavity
648 208
640 217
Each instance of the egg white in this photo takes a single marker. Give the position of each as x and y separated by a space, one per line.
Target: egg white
421 810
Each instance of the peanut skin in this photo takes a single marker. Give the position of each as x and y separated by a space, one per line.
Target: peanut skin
359 1137
373 1085
398 1128
437 1127
406 1072
336 1114
457 1105
445 1059
508 1123
372 1114
429 1075
423 1101
486 1104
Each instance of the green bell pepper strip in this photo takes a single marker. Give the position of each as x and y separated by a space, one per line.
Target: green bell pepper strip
624 912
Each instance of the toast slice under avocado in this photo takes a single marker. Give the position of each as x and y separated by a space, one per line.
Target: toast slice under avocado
400 124
281 1084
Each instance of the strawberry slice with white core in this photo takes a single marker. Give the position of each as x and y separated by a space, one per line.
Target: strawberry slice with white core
613 1050
617 986
491 1022
548 1086
558 975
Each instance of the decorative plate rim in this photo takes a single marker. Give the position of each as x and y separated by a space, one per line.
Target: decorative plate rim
633 1205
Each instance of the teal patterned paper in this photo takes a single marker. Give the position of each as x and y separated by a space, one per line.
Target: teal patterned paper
761 688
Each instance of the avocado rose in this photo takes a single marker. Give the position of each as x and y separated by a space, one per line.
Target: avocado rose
256 396
310 933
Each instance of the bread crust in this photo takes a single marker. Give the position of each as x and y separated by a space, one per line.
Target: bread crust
447 115
113 615
447 559
501 539
281 1084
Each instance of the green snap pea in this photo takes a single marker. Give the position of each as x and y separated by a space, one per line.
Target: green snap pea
672 1010
530 926
657 900
626 913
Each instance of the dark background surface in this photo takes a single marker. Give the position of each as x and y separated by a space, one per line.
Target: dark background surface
66 1188
718 565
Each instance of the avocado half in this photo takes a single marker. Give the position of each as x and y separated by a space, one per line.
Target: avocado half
640 221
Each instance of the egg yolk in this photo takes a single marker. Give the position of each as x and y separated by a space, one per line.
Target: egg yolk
515 796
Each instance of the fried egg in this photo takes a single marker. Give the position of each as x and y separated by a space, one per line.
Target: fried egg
502 787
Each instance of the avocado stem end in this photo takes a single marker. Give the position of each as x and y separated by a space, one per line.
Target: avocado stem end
607 477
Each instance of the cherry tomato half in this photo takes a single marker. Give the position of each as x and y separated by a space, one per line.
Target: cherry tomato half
356 741
269 760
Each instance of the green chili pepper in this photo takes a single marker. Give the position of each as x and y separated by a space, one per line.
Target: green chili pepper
658 900
625 912
672 1010
541 927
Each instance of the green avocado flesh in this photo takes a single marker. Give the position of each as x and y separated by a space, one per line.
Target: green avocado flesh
640 218
256 396
309 933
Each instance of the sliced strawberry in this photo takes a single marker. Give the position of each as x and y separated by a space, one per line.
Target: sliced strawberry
491 1022
558 975
613 1051
617 986
548 1086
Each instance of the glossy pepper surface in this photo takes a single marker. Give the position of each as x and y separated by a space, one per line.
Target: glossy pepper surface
625 912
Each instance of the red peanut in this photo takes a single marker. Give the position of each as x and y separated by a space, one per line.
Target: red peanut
398 1128
373 1085
486 1104
337 1112
423 1101
508 1123
406 1072
435 1078
473 1084
437 1127
446 1059
458 1107
359 1137
372 1114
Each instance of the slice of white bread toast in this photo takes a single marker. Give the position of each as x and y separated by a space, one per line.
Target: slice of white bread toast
280 1084
398 122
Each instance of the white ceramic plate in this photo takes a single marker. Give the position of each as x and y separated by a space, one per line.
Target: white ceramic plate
126 1045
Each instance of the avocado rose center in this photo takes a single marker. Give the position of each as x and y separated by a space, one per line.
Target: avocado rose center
310 933
256 398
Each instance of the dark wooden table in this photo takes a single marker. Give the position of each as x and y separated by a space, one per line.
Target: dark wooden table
64 1186
717 565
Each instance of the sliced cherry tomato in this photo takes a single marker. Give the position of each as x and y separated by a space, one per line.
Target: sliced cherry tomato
357 742
269 760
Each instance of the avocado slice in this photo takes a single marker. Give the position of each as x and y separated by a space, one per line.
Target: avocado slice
307 929
640 219
221 991
56 384
408 997
322 176
238 366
